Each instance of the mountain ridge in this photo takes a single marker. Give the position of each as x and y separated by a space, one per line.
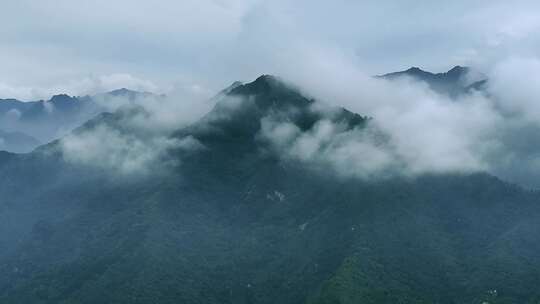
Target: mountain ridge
47 120
452 83
229 224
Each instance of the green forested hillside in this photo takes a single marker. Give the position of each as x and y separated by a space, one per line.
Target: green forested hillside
234 224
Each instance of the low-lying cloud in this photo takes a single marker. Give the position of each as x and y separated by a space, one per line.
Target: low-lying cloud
433 138
354 152
125 153
425 132
140 135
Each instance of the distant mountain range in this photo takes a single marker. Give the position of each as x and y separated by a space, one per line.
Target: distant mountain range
234 222
457 81
29 123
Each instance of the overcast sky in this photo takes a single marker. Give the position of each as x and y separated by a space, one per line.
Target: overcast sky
81 47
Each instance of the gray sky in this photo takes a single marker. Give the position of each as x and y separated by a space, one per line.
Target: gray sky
82 47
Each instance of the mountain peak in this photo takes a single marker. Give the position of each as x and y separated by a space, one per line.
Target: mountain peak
129 94
121 92
414 70
61 98
236 84
266 96
452 83
266 78
263 85
458 70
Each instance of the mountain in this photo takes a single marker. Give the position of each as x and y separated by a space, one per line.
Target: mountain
46 120
457 81
17 142
232 222
56 117
267 95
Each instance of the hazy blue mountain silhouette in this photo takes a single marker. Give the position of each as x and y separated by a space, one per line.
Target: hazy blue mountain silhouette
453 83
46 120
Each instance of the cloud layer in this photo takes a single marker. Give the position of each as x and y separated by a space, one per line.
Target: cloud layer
136 139
210 42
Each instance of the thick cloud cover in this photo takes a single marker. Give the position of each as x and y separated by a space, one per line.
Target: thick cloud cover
413 130
329 49
129 153
425 132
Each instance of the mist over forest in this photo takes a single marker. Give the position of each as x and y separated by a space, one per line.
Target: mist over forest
269 152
